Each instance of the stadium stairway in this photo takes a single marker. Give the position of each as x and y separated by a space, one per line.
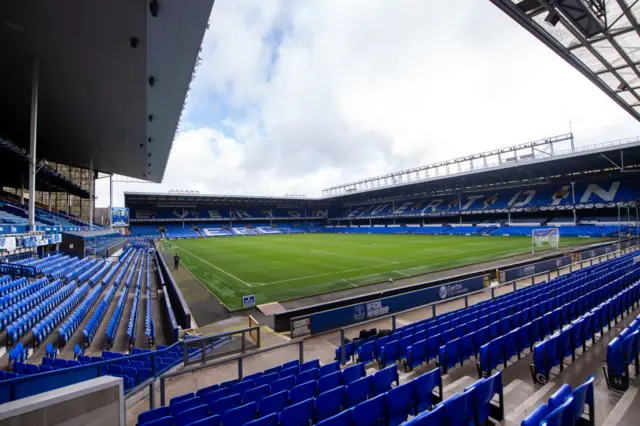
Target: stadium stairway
521 395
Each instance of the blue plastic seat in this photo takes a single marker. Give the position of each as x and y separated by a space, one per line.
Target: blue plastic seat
583 395
283 384
329 368
480 401
537 416
273 403
209 389
342 419
191 415
184 405
242 387
330 403
224 404
400 403
424 386
359 390
416 355
214 395
437 416
215 420
559 397
176 399
303 391
330 381
390 353
433 346
563 415
383 379
290 364
255 394
286 372
310 365
352 373
266 379
240 415
371 412
300 414
307 376
163 421
449 355
268 420
458 409
155 414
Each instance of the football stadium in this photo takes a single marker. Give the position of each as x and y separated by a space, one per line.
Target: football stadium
497 287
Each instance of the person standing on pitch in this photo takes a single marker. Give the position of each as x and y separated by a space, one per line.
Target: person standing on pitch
176 262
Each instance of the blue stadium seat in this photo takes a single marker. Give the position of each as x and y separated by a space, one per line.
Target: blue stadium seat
303 391
283 384
273 403
164 421
438 416
584 395
401 403
255 394
383 380
209 389
240 415
191 415
330 403
416 355
353 373
537 416
208 421
184 405
329 368
267 379
342 419
242 387
458 409
559 397
563 415
300 414
359 390
433 346
330 381
449 355
269 420
224 404
424 390
155 414
480 401
307 376
371 412
389 353
212 396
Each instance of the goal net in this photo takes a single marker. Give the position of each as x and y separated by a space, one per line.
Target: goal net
542 239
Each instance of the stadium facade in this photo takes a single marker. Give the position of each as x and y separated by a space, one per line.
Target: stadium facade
589 191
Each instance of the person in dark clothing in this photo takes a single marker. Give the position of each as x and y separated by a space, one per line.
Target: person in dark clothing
176 262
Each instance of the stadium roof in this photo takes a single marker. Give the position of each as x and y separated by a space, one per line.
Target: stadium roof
530 163
600 38
113 77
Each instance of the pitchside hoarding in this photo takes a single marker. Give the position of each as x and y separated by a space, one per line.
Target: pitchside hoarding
340 317
534 268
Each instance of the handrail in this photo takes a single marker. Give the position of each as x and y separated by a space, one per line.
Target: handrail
205 341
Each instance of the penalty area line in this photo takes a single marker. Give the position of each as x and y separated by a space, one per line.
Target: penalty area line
215 267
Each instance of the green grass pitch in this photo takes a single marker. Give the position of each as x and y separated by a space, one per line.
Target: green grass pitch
282 267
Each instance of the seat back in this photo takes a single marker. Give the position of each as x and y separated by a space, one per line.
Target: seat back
583 395
267 379
255 394
283 384
273 403
330 403
359 390
424 387
400 404
559 397
307 376
240 415
437 416
371 412
353 373
329 368
342 419
269 420
300 414
537 416
562 415
383 379
303 391
191 415
457 409
224 404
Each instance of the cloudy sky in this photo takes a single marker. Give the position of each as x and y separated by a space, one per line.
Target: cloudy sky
293 97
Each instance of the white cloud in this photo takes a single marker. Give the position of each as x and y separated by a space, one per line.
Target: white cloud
363 87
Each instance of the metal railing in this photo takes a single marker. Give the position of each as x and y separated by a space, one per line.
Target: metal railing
523 280
238 358
209 344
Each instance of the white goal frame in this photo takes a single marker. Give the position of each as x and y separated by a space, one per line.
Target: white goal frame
548 236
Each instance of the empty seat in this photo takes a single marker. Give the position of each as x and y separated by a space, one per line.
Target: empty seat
329 403
383 379
425 385
437 416
400 403
359 390
224 404
329 368
330 381
342 419
240 415
353 373
371 412
480 401
283 384
155 414
273 403
184 405
256 394
300 414
269 420
303 391
416 355
191 415
307 376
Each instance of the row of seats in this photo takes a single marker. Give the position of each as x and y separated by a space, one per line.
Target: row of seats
114 322
22 289
102 271
552 352
149 324
18 309
566 407
228 398
92 326
69 326
73 272
83 277
59 272
51 297
135 307
48 324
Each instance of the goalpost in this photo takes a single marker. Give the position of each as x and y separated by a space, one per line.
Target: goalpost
545 238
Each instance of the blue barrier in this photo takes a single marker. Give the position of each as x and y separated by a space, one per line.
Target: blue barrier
347 315
600 251
534 268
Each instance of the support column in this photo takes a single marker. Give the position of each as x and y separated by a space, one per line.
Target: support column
91 182
573 195
49 197
22 189
68 203
111 201
32 143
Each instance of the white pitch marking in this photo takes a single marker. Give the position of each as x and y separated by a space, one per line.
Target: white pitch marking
461 380
219 269
356 269
621 407
530 402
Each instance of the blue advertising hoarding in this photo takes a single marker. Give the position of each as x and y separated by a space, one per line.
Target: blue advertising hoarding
347 315
120 216
533 268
